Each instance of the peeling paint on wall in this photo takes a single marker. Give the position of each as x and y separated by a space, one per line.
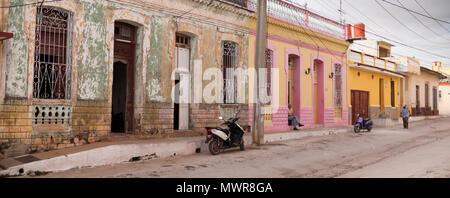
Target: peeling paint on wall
17 67
93 62
153 87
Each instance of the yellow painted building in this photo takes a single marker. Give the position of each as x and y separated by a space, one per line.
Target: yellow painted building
307 60
376 89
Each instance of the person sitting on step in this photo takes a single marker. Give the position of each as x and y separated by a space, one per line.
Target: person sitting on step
293 118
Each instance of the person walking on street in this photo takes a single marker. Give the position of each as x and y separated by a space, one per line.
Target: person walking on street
405 116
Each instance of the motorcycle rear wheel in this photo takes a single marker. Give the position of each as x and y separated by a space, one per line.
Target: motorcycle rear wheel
242 146
214 146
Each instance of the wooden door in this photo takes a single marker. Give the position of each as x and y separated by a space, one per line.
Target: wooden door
427 97
183 91
392 93
417 99
435 101
315 97
319 92
124 51
360 104
381 89
294 84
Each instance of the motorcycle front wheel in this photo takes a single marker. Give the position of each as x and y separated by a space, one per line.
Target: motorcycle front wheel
356 129
214 146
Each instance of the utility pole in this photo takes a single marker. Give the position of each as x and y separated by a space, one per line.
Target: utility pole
260 58
341 12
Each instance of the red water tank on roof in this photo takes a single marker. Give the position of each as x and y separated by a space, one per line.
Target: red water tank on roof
349 31
359 30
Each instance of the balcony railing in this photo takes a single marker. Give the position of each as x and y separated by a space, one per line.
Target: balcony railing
293 14
358 57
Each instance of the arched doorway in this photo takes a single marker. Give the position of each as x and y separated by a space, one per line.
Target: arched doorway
122 118
294 87
182 92
319 91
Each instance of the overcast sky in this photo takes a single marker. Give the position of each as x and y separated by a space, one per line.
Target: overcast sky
377 20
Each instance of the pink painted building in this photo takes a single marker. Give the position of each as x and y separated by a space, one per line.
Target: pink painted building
306 57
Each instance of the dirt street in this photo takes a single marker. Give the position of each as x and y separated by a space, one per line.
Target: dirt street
421 151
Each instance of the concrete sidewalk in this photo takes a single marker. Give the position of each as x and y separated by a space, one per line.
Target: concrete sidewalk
107 153
399 121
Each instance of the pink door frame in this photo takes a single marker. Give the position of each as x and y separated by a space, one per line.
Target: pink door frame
297 78
320 87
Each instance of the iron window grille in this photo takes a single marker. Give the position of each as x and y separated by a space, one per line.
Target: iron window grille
269 65
230 58
53 53
338 85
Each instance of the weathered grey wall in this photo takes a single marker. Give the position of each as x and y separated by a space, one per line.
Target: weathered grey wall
17 53
93 54
92 66
154 82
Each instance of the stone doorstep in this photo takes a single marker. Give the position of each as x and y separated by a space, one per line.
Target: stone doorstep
270 137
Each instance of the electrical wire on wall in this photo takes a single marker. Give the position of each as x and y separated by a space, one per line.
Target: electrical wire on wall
30 4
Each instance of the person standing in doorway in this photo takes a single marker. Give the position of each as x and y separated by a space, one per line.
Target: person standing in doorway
405 116
293 118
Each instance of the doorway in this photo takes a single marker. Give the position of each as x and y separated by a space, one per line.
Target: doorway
122 118
294 84
392 93
182 90
435 101
319 89
360 104
417 100
427 97
119 97
381 95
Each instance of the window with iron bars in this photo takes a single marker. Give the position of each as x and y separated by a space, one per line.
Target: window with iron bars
230 59
53 56
337 85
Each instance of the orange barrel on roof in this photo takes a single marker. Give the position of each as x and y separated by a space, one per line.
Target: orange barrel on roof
349 31
359 30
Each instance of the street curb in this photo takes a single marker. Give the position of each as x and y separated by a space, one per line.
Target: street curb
115 154
108 155
302 134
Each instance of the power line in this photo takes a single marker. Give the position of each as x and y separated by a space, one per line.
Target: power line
400 43
216 24
382 27
419 20
431 16
210 2
314 33
394 53
401 22
28 4
394 41
391 40
416 12
370 19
